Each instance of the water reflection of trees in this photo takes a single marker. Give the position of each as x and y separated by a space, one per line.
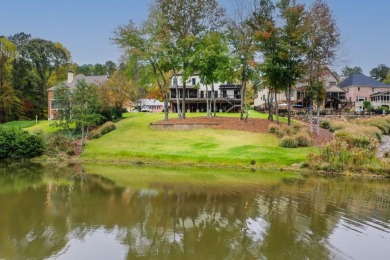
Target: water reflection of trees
290 219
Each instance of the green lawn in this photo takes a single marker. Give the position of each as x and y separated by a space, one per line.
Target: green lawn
32 126
19 124
134 141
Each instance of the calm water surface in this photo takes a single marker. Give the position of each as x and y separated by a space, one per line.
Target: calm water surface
125 212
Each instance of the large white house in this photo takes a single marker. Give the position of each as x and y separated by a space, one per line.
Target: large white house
227 95
335 96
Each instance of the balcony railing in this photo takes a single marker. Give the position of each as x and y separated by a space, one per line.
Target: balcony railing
199 96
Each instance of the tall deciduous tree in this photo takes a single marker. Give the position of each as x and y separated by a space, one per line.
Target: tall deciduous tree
241 37
347 71
183 22
78 106
117 91
380 73
322 45
293 42
212 61
45 57
8 98
146 49
268 41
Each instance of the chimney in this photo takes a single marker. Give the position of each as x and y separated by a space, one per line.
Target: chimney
70 76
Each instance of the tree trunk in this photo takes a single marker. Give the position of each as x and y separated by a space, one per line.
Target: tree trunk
177 100
318 120
276 107
183 115
213 96
311 115
242 92
289 105
269 102
166 109
207 102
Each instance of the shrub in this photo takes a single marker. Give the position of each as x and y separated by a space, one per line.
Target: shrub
107 127
16 143
340 156
325 124
273 128
102 130
95 135
302 139
288 142
337 125
284 130
58 142
360 136
296 129
379 122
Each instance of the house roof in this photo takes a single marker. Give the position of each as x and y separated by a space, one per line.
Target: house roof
150 102
334 89
361 80
88 79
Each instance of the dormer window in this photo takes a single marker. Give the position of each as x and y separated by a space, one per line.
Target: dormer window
193 81
175 81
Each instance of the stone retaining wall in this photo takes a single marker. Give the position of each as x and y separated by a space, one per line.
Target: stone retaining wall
180 127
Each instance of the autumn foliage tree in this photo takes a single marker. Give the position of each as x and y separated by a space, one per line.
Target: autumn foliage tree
183 23
242 42
116 93
46 57
9 101
322 45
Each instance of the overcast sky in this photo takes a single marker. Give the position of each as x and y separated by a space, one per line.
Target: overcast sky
85 27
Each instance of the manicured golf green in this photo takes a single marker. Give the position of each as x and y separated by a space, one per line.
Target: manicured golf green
133 141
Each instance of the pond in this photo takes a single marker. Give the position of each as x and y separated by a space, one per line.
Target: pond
125 212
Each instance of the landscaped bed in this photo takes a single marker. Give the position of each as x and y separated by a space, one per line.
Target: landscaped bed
256 125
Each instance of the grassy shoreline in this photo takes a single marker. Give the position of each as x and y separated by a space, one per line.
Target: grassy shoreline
134 142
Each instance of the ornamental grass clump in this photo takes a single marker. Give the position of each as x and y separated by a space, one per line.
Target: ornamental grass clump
341 156
353 149
360 136
382 123
291 136
288 142
337 125
325 124
273 128
102 130
302 139
284 130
